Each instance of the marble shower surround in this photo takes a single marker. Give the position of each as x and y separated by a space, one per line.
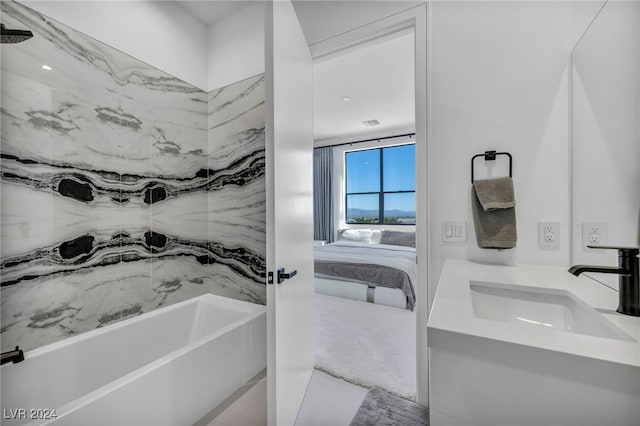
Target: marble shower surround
123 188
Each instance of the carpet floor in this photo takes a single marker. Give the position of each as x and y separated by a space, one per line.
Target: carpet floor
367 344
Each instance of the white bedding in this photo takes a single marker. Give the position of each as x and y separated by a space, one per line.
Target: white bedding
398 257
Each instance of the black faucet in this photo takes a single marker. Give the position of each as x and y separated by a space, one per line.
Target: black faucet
15 355
628 281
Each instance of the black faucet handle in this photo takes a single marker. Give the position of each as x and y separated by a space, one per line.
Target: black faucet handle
628 251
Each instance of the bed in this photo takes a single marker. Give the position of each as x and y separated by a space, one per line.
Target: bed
359 266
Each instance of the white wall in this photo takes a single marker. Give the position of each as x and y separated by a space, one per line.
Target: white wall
498 79
159 33
373 134
236 47
606 131
583 13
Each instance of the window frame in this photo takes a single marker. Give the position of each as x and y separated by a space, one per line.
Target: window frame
381 193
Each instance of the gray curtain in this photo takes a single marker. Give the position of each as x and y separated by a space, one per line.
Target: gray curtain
322 197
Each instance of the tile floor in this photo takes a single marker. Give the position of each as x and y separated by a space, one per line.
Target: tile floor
247 407
329 401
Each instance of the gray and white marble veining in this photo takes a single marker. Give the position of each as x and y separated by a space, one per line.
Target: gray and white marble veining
70 304
236 121
236 127
96 105
123 188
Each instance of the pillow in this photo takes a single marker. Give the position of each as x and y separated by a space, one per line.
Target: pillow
376 234
398 238
359 235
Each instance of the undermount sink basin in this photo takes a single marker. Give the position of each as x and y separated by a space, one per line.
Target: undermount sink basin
548 308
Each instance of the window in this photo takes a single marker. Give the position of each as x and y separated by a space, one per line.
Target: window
381 185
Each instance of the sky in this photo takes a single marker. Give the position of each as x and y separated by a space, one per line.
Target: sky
363 175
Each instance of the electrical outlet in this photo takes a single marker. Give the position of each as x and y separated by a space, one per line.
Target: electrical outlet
549 235
594 234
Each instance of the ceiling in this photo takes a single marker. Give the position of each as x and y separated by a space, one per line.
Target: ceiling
210 11
379 79
323 19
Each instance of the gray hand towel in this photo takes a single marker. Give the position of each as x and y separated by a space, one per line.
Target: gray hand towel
494 213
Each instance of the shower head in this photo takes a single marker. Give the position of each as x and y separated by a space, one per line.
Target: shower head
14 36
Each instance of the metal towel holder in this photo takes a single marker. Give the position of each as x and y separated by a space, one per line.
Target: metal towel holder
491 155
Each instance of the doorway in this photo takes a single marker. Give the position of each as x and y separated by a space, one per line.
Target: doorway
412 23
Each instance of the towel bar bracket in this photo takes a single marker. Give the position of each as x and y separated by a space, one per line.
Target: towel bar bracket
490 156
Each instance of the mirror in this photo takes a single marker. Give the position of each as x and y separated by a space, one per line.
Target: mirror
605 114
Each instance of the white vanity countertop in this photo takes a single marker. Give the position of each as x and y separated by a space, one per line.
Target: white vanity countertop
452 310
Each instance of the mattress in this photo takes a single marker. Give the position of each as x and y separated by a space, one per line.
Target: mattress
376 273
357 291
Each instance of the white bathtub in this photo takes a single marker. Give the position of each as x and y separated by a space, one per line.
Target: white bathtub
167 367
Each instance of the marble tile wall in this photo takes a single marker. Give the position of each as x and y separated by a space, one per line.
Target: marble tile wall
236 140
123 188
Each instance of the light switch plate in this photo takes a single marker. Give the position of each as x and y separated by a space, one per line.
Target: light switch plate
454 232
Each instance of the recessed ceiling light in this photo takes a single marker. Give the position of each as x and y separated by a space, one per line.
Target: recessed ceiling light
371 123
345 98
46 67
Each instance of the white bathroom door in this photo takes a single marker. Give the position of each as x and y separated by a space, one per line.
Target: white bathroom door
289 186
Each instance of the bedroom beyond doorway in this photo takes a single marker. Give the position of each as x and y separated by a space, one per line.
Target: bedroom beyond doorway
365 214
